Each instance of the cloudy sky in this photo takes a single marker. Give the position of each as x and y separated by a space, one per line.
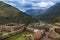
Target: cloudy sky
31 4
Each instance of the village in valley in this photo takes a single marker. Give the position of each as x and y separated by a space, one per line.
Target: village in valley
41 31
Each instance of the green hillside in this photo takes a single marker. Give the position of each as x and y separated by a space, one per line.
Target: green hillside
9 14
51 15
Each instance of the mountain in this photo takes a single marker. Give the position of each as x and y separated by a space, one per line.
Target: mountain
10 14
51 14
34 12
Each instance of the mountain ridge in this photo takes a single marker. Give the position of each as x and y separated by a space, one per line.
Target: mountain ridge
34 12
50 14
10 14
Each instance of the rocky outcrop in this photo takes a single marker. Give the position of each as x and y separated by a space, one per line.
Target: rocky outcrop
53 34
38 34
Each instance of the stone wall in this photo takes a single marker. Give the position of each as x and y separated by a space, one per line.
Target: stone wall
30 29
11 28
12 33
36 36
53 34
57 30
29 37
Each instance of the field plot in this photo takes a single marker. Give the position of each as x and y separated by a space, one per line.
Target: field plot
19 36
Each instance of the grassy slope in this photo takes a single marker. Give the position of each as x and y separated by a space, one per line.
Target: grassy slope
51 14
19 36
9 14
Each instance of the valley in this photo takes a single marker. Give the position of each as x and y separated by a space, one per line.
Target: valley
34 24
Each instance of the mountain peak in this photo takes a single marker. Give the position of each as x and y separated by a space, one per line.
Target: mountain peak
34 12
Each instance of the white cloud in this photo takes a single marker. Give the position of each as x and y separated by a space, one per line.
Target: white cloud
40 3
44 4
51 3
22 1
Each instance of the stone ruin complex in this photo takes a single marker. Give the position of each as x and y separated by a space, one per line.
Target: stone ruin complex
41 31
45 32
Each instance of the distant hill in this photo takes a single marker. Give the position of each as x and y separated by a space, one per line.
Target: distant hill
34 12
9 14
51 14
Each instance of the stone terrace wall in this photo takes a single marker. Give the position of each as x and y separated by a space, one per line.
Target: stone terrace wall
30 29
12 33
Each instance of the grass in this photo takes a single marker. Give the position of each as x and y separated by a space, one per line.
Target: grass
5 32
19 36
51 39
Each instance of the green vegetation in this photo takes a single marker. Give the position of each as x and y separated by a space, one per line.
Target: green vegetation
51 14
51 39
55 20
10 14
19 36
5 32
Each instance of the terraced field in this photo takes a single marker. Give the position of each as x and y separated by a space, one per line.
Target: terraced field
5 32
19 36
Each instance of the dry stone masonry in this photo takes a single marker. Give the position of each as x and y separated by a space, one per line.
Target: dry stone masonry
41 31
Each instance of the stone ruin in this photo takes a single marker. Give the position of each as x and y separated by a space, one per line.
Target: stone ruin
57 30
36 36
53 34
42 35
41 31
29 37
57 24
49 32
11 27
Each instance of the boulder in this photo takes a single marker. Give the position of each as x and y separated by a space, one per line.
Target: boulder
29 37
38 34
